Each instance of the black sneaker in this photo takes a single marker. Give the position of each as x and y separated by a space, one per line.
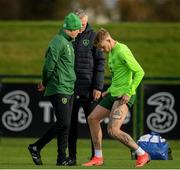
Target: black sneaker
35 154
61 162
71 161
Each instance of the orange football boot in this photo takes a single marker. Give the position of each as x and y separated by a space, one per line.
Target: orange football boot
142 160
97 161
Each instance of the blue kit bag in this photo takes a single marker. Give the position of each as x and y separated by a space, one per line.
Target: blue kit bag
156 146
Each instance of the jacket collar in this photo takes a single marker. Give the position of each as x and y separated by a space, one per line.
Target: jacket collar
88 28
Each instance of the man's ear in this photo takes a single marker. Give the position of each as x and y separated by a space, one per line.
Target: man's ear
108 40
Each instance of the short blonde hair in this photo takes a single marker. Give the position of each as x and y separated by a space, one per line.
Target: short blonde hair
101 35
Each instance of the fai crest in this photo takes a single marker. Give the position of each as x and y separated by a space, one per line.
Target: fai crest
64 100
85 42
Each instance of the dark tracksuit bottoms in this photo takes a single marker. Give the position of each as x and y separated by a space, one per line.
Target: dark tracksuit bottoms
63 110
87 105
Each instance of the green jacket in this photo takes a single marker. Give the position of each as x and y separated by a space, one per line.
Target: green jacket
58 70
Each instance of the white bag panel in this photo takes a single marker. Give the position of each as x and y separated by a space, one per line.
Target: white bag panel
154 139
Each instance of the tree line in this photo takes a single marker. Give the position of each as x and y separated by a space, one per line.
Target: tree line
124 10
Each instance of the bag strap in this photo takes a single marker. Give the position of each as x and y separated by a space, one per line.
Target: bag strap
155 134
150 137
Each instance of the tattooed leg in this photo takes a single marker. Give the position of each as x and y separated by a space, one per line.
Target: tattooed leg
117 118
127 140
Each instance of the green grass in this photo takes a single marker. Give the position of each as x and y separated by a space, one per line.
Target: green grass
14 154
155 45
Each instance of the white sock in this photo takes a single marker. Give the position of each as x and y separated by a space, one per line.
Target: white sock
98 153
139 151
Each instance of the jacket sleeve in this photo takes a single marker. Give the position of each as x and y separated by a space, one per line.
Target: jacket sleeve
99 62
49 64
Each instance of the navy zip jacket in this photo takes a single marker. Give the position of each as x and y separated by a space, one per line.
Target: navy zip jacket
89 64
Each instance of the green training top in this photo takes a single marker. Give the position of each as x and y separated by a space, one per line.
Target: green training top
126 71
58 70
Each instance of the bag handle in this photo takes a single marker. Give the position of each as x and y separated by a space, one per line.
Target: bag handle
155 134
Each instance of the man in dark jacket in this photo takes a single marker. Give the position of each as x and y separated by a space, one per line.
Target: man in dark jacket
89 68
58 81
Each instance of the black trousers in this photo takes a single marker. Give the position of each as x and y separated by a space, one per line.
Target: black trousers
62 105
88 106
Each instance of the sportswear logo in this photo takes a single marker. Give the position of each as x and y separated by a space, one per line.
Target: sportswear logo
85 42
34 156
69 49
64 100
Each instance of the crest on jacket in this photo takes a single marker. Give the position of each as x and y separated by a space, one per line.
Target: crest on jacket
85 42
64 100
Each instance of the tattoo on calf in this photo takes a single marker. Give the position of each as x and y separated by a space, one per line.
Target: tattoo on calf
126 139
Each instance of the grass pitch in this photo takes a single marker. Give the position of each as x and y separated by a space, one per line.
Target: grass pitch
14 155
154 45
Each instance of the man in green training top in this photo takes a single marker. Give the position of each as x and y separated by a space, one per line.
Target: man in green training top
58 79
126 76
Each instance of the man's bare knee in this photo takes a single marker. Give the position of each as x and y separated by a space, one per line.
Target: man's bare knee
91 119
113 132
110 132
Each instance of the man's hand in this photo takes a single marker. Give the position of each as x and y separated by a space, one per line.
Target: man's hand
96 94
40 87
124 99
104 94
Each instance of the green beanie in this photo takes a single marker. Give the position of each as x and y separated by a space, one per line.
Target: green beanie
72 22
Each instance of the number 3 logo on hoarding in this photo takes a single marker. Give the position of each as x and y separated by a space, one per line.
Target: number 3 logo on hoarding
18 117
164 118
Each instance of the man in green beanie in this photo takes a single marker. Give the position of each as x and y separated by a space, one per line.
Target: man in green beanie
58 78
